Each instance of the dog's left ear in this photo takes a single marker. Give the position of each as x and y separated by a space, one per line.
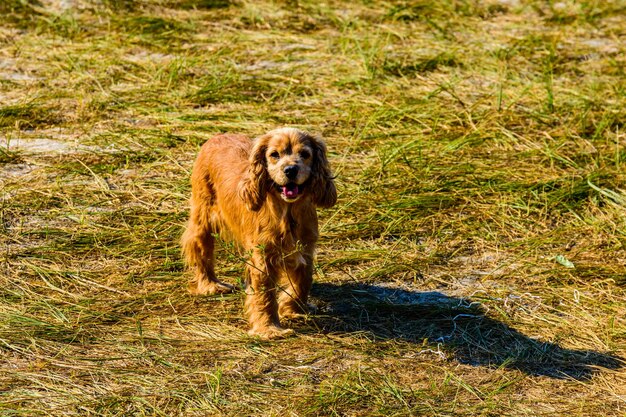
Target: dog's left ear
322 184
254 186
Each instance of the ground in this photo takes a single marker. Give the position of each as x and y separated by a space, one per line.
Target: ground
475 263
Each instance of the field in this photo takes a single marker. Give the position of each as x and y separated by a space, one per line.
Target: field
475 264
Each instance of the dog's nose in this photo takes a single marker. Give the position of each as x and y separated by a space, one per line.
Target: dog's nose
291 171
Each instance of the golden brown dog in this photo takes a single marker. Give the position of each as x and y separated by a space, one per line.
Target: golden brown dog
262 194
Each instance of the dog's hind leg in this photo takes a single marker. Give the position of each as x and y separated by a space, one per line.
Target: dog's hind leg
198 246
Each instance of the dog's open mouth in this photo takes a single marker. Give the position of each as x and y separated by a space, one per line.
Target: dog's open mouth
291 191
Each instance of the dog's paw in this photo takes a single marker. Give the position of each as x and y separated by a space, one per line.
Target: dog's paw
206 287
271 332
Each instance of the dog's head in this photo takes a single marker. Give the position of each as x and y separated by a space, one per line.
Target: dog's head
292 164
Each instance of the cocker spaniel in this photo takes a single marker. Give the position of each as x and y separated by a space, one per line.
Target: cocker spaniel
263 195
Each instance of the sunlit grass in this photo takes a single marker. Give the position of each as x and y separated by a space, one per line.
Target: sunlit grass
475 261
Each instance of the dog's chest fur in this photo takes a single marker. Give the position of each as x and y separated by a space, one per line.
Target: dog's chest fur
283 234
283 230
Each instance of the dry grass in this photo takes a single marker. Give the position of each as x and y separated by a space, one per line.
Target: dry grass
476 261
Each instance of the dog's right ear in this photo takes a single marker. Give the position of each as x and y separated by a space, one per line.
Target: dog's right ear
253 187
323 185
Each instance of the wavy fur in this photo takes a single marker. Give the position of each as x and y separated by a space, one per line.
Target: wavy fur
241 190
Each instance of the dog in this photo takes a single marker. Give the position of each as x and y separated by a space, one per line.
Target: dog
261 194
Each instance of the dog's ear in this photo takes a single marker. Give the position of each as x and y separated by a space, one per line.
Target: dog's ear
253 187
322 184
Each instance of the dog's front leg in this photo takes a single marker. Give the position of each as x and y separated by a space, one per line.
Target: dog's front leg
296 284
261 303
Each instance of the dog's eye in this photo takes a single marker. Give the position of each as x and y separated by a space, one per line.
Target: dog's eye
305 154
274 155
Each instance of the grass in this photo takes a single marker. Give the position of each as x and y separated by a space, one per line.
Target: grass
474 265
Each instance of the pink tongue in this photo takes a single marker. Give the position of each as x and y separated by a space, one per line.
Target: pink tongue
290 192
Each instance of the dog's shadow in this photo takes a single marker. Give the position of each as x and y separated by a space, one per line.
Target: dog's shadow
459 327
